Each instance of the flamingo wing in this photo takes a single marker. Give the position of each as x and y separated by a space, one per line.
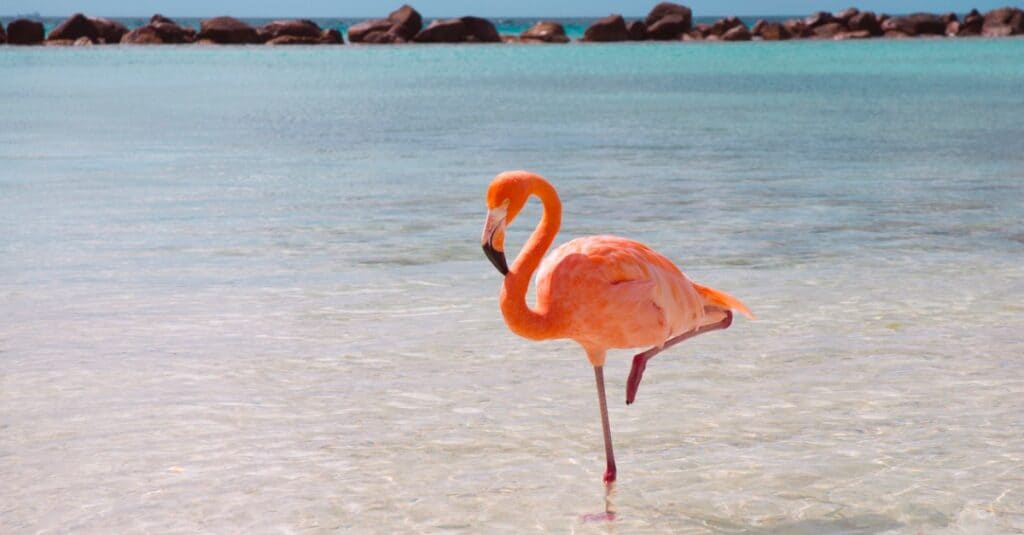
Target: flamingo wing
615 292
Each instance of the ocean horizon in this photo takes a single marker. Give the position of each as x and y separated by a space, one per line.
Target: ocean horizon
242 288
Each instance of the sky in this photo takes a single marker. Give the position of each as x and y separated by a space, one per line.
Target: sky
492 8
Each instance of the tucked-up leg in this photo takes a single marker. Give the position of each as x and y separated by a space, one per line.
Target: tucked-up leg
636 373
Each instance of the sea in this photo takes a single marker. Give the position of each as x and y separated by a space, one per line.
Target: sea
242 290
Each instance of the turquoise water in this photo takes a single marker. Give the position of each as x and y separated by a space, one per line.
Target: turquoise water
242 288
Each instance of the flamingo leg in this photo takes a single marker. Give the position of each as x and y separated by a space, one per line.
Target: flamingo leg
609 474
636 373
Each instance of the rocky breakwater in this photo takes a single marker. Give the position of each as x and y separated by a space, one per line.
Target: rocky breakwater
673 22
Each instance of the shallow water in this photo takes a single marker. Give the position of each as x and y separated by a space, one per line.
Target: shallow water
241 289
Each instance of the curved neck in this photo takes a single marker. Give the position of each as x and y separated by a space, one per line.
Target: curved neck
521 319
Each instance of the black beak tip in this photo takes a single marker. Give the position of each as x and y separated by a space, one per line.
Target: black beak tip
497 258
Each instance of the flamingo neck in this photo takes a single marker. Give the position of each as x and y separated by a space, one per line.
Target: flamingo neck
535 324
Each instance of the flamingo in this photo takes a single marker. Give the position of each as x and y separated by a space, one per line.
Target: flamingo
603 292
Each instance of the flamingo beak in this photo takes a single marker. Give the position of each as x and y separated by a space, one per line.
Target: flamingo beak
493 238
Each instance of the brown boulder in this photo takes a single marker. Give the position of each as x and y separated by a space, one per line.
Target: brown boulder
545 32
772 31
607 29
797 28
668 28
143 35
3 35
75 26
895 34
829 31
110 31
293 28
82 41
171 33
666 9
971 25
916 24
703 29
637 30
865 21
1010 17
443 31
737 33
358 33
460 30
160 18
406 22
227 31
25 32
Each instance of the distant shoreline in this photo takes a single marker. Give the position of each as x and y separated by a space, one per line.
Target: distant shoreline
665 22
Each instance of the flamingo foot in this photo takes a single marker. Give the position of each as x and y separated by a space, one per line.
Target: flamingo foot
636 373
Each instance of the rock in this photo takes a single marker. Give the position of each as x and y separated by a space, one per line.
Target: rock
110 31
895 34
668 28
818 19
916 24
75 26
797 28
59 42
24 32
461 30
949 17
406 22
171 33
773 31
545 32
227 31
952 28
1011 17
637 30
703 29
665 9
607 29
722 26
858 34
293 28
481 30
143 35
865 21
737 33
829 31
3 35
331 36
82 41
359 32
443 31
383 38
845 15
971 25
693 35
757 27
160 18
294 40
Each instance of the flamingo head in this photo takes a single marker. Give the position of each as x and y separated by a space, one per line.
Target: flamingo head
506 196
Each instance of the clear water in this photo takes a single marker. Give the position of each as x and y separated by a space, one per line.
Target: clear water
241 289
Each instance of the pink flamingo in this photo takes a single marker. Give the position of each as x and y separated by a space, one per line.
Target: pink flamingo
601 291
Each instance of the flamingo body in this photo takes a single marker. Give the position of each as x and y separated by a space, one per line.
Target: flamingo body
610 292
